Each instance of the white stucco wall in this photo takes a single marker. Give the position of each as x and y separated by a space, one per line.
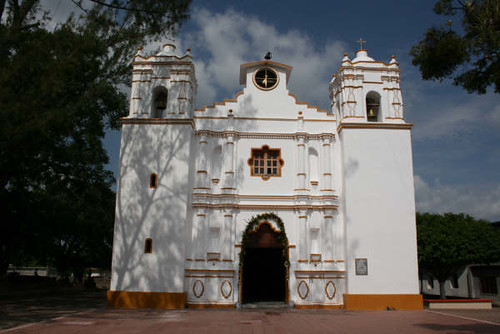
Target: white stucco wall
142 212
379 210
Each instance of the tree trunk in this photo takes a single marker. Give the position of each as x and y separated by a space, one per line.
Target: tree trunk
442 289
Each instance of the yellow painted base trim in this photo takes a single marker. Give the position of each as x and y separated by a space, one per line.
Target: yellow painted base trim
318 306
382 302
135 299
190 305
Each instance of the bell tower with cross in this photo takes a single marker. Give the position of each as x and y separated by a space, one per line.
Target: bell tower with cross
378 206
367 91
152 210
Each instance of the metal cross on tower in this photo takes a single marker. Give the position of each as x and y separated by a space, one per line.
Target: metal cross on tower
361 41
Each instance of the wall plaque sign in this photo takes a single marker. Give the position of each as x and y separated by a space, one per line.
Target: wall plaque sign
361 266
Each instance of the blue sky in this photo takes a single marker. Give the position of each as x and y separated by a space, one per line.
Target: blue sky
455 135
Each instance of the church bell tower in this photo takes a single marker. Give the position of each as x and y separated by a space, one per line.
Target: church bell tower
152 209
377 191
163 85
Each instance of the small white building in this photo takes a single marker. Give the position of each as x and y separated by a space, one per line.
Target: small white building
264 197
473 281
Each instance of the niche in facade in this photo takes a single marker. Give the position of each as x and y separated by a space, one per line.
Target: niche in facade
313 166
216 164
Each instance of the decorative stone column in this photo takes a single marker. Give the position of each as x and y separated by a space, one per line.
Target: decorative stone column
329 241
202 161
198 234
228 166
135 94
303 235
326 158
300 122
227 236
184 96
301 163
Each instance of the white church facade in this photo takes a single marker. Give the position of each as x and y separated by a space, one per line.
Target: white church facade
263 197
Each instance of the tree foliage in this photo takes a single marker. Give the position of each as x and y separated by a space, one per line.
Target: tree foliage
60 92
449 242
468 53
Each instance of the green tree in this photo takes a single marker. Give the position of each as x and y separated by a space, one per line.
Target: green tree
468 53
60 92
449 242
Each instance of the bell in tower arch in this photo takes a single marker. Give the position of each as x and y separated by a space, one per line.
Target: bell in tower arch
372 106
160 99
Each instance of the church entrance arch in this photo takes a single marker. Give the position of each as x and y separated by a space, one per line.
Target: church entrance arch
264 260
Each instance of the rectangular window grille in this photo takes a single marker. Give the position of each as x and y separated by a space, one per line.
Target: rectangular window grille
265 162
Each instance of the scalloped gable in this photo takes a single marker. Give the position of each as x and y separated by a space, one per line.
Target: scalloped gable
226 102
255 102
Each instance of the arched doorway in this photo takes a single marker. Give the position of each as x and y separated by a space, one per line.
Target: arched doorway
264 262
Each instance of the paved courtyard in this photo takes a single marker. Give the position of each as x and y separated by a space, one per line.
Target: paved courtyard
83 311
109 321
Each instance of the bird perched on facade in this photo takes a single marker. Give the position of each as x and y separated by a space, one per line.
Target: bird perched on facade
268 56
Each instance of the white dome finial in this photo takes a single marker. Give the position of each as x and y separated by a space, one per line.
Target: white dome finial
346 60
362 55
168 50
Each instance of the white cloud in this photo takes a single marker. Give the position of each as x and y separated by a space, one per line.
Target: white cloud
449 117
206 93
440 113
226 40
480 201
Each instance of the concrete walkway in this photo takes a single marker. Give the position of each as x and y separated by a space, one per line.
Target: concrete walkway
124 321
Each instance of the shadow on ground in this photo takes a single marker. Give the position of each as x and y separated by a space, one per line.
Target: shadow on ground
20 309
